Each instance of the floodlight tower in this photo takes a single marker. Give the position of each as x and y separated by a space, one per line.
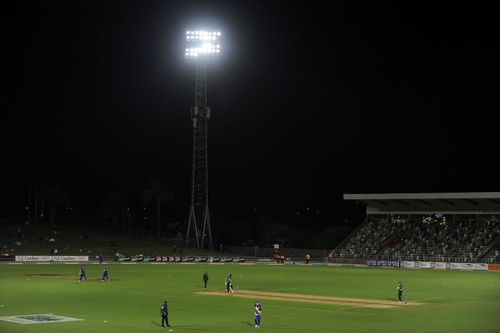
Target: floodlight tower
202 49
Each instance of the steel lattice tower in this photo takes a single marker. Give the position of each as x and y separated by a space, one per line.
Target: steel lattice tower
199 213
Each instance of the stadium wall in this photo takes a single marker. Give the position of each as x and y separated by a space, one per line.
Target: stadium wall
252 251
370 263
432 265
494 267
51 258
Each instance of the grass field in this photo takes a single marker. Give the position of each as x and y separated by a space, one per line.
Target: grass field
452 301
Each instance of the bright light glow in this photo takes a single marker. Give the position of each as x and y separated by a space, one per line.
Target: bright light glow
202 35
202 44
206 47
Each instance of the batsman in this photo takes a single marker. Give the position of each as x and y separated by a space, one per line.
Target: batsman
399 289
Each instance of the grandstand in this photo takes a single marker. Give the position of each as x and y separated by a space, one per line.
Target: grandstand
444 227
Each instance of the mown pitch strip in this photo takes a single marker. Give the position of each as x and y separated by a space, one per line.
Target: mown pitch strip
314 299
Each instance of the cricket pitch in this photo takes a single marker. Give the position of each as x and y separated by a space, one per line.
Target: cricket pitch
314 299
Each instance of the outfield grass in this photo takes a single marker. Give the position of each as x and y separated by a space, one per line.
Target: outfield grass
456 301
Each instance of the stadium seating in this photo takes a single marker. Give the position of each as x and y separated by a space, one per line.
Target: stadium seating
459 238
495 258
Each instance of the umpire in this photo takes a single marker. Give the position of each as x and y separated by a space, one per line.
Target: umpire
164 314
205 279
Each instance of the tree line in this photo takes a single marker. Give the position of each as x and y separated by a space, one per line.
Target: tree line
48 203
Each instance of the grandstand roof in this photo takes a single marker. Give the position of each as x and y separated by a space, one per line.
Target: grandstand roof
423 203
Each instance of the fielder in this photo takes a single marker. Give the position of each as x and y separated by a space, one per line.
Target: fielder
399 289
164 314
82 274
105 275
257 313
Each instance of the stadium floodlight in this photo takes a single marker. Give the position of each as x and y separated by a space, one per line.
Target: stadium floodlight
202 45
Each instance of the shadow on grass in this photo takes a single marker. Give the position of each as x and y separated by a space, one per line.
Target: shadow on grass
274 327
156 323
190 327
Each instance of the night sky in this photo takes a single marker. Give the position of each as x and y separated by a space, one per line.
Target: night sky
308 102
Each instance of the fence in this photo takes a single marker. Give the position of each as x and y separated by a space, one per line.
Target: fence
459 259
294 254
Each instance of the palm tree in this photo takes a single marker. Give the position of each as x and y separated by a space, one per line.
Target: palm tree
157 194
56 197
115 208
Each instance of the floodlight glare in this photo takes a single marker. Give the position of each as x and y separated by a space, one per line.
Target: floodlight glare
203 45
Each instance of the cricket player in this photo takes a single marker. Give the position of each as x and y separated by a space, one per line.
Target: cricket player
229 283
400 291
205 279
105 275
257 313
82 274
164 314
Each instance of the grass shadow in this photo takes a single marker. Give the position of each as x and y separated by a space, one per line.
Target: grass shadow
247 323
190 327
